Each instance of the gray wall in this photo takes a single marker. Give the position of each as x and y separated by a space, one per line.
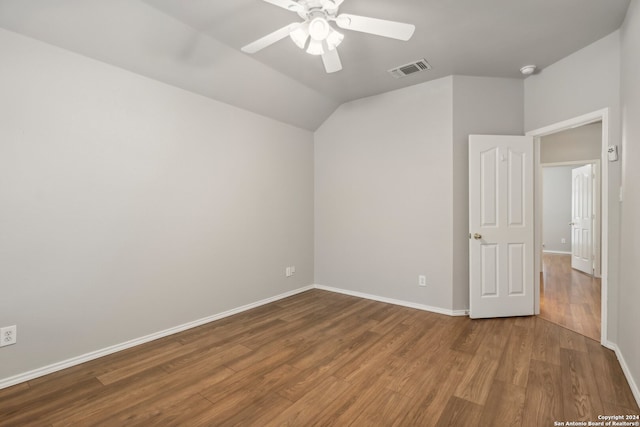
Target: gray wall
129 206
383 195
392 187
628 313
481 106
581 83
140 37
581 143
556 208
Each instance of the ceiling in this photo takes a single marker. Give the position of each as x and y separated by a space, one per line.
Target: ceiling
196 44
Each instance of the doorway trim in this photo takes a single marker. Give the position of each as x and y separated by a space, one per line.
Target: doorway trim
537 134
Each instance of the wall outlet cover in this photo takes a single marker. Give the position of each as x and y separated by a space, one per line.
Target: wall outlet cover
8 335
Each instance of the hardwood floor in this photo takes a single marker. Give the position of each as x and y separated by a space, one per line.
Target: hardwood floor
321 358
568 297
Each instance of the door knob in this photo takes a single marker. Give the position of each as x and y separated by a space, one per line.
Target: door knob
572 223
477 236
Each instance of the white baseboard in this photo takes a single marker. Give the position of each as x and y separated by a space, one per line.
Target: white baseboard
556 252
394 301
58 366
26 376
627 372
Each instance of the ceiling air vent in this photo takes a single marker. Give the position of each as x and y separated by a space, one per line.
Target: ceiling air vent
411 68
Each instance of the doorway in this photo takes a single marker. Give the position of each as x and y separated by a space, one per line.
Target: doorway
571 209
554 265
570 290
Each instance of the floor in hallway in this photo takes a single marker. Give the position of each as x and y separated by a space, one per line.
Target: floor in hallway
568 297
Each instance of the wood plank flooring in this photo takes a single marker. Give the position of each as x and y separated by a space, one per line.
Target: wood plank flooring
326 359
568 297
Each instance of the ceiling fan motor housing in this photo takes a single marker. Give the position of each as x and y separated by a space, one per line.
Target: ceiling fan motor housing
312 8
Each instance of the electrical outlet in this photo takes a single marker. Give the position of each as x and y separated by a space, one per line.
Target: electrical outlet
8 335
422 281
563 240
290 271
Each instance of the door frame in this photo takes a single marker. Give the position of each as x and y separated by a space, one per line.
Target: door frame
596 244
537 134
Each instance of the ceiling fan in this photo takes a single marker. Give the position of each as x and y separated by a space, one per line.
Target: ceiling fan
317 35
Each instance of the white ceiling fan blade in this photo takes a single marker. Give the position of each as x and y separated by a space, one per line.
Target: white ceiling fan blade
379 27
270 39
331 61
286 4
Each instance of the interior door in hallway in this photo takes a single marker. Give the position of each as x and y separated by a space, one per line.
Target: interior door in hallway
582 204
501 245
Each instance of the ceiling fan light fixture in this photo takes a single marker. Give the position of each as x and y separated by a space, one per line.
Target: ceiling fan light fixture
300 35
319 29
317 35
315 47
334 39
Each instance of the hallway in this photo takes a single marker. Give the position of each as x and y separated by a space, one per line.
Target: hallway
568 297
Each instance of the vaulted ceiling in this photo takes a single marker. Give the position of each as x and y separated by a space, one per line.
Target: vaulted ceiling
196 44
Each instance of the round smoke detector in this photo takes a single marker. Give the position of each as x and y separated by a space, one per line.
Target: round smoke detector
527 70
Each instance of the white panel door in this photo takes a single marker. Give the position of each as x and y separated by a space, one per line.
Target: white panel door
582 219
501 248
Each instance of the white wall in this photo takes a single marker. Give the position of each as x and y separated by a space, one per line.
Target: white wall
481 106
129 206
584 82
383 195
556 208
581 143
628 313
